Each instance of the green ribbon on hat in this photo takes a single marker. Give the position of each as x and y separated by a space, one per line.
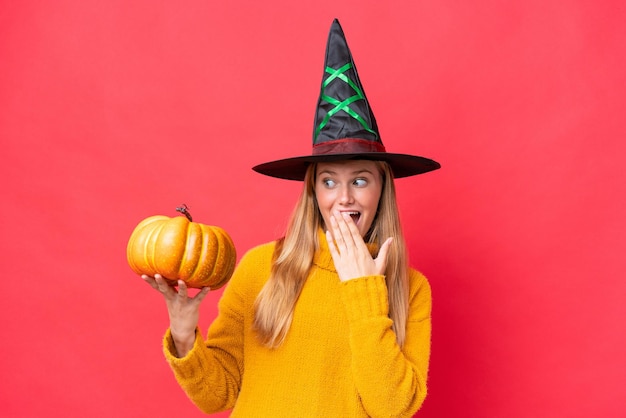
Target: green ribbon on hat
343 105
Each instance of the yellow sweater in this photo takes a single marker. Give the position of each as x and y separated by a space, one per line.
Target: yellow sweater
339 359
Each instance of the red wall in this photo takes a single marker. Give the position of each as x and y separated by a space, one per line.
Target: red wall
114 111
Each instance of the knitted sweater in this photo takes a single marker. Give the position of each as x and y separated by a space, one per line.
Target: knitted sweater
339 359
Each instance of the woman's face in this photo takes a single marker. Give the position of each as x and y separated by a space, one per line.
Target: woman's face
349 186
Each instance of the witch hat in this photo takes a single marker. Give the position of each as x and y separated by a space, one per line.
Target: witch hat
345 127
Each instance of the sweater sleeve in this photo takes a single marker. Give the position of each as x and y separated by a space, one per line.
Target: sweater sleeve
210 374
391 381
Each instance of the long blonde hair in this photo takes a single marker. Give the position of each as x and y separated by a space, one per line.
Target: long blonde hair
293 259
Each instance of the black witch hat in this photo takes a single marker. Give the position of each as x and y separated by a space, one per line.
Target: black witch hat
345 127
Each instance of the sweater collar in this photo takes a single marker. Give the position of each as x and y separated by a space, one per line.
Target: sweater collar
323 259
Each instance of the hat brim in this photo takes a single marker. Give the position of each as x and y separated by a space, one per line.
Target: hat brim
402 165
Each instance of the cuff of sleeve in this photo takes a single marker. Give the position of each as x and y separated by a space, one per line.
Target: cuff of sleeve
181 364
365 297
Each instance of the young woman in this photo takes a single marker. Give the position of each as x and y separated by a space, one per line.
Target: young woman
330 320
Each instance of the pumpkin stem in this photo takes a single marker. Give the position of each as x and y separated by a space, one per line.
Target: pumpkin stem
184 209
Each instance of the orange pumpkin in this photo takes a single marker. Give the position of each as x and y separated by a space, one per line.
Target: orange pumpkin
178 248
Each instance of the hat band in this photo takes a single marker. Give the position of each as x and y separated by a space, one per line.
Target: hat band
347 146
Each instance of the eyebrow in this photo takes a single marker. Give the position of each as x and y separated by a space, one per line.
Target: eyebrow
356 172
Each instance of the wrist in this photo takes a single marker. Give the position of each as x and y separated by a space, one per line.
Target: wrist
183 342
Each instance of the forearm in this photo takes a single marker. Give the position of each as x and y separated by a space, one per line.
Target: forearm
182 343
201 375
391 381
388 382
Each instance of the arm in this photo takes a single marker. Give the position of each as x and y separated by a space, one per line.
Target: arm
208 371
391 381
183 311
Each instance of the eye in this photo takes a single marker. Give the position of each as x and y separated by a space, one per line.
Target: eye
360 182
329 183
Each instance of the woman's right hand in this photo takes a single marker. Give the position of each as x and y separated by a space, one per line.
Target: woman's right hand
184 311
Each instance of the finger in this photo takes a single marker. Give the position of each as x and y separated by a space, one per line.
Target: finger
342 221
355 234
160 281
353 237
151 282
162 285
336 232
182 290
201 294
331 245
381 259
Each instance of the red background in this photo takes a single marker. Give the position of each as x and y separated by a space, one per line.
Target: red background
114 111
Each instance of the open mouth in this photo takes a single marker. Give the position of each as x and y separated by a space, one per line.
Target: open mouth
355 216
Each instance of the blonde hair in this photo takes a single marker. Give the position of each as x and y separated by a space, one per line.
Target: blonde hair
293 259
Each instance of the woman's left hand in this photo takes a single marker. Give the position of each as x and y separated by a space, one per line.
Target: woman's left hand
350 254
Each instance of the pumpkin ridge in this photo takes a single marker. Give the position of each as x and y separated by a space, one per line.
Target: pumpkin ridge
137 243
230 258
140 241
188 257
181 265
150 245
160 252
221 258
179 227
203 275
130 254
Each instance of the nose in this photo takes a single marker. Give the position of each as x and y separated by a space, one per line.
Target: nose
345 196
